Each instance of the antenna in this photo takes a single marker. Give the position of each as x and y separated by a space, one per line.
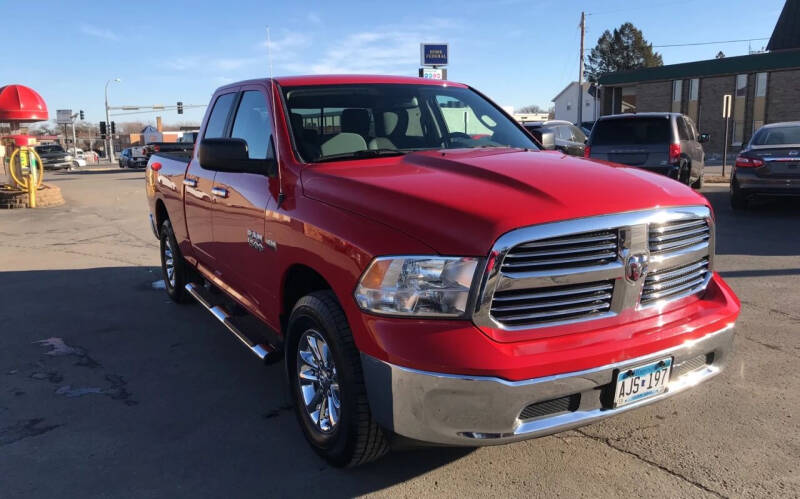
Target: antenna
281 195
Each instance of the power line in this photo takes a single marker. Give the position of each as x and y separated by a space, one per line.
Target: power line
709 43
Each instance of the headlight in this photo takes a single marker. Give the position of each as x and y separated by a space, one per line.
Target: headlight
417 286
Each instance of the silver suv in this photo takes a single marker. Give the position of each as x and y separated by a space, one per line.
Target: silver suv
665 143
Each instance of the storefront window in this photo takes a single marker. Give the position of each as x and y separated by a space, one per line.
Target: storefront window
677 90
739 103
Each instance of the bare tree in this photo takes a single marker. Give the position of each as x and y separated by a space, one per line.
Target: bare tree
531 108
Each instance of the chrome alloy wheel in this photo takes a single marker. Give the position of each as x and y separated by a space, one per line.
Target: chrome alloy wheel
169 261
319 383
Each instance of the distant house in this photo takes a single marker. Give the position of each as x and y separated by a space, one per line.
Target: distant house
566 103
764 87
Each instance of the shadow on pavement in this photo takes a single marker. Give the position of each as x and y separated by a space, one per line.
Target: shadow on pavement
100 370
769 227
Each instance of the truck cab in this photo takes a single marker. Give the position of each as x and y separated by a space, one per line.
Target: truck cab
422 269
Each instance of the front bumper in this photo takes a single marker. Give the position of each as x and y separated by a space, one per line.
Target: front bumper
476 410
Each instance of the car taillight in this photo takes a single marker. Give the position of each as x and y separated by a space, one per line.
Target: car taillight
156 148
745 162
587 153
674 153
155 166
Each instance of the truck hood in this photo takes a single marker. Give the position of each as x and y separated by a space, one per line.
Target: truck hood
459 202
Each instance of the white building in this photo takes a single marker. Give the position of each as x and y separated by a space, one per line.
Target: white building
565 103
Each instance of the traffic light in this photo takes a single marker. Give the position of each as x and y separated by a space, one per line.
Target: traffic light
180 107
102 129
113 128
81 114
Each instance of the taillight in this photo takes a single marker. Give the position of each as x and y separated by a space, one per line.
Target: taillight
674 153
155 166
587 153
156 148
745 162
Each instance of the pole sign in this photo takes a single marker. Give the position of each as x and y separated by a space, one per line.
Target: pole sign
433 73
433 54
726 106
64 116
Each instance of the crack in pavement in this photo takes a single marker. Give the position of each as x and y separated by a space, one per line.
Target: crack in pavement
24 429
768 309
608 442
771 347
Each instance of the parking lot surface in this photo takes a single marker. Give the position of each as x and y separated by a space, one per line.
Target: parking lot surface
108 389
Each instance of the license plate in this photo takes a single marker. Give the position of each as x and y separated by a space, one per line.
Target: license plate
641 382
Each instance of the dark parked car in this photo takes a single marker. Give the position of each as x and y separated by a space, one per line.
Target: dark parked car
666 143
768 165
54 157
129 159
566 137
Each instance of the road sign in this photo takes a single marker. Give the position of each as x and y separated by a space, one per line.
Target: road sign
64 116
433 54
726 105
433 73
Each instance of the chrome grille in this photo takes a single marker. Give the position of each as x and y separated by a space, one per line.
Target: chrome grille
525 307
570 271
674 236
575 250
675 282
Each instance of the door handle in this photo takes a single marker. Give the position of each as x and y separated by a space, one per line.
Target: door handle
219 192
190 182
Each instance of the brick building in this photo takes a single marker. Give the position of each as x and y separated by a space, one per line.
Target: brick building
765 88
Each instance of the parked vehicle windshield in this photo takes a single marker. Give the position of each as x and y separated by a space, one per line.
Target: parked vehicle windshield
369 120
49 148
631 131
779 135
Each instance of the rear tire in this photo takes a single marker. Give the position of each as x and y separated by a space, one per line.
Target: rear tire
738 200
173 267
347 436
698 184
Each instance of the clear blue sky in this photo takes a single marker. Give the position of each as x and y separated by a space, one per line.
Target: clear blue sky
516 51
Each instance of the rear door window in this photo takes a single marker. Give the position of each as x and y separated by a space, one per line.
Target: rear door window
252 124
631 131
215 128
683 130
577 134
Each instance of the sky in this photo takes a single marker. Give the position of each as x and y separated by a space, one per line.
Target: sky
518 52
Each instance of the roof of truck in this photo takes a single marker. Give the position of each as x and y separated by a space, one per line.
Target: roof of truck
300 81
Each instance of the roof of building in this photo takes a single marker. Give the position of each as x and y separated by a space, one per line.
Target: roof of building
786 34
769 61
569 86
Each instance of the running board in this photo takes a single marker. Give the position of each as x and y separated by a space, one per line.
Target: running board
264 352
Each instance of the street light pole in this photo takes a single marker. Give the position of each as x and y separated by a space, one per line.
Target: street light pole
110 143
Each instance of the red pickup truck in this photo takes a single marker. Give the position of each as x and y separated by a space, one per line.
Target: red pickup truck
425 270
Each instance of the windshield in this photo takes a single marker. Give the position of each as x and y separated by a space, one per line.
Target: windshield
368 120
631 131
48 149
779 135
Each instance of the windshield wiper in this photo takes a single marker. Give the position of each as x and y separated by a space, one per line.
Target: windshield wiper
366 153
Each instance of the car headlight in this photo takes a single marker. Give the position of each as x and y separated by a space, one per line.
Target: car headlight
417 286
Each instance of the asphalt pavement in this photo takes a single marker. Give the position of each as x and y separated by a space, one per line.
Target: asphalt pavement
108 389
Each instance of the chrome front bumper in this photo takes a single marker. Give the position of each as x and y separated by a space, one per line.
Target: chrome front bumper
474 410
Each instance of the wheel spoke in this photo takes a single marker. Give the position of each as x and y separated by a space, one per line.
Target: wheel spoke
318 382
333 409
309 359
313 343
309 373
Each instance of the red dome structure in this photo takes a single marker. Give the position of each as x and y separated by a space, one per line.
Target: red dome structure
19 103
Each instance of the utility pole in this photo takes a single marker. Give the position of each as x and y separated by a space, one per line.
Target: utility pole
580 71
110 143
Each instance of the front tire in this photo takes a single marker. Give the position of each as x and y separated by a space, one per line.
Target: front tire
173 266
327 384
698 184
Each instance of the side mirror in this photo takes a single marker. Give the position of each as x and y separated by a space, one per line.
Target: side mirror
704 137
230 155
548 140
